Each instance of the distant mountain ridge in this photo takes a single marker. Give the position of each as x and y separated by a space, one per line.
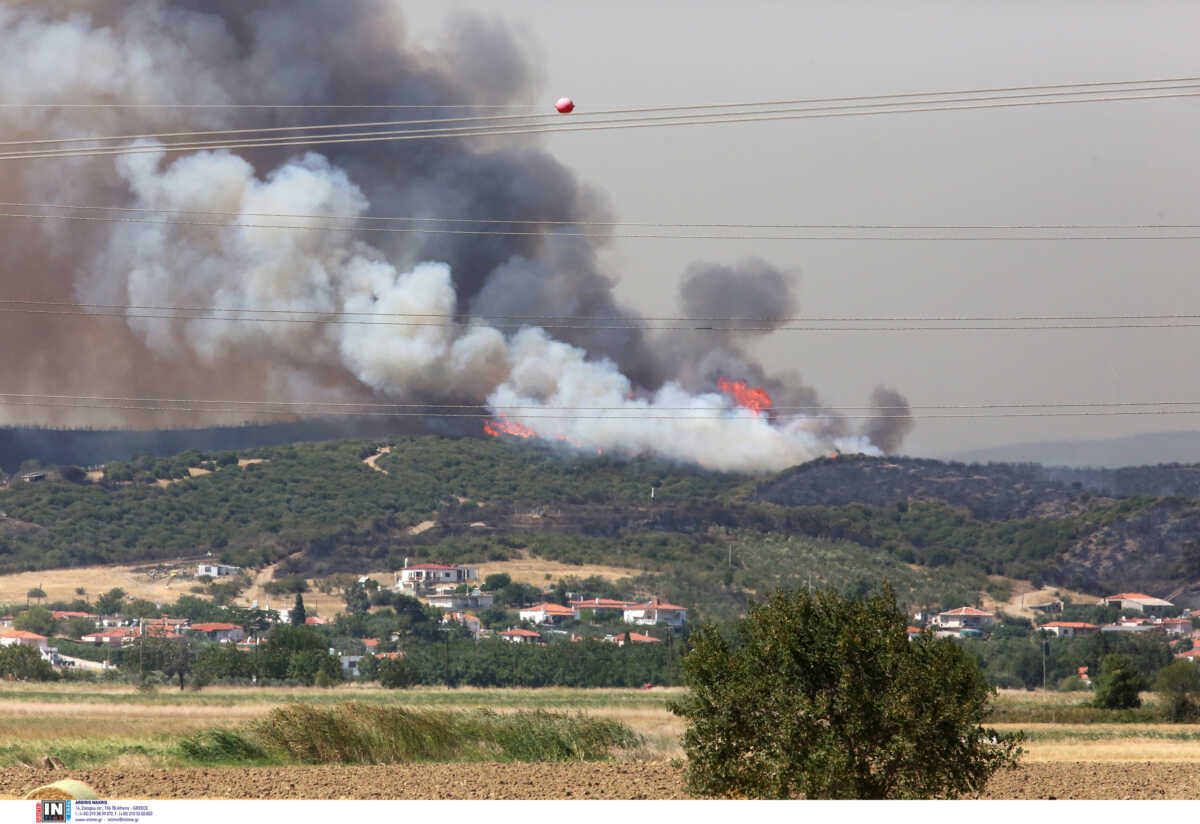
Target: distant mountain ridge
1134 450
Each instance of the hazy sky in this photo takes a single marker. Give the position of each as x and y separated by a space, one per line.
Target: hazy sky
1127 162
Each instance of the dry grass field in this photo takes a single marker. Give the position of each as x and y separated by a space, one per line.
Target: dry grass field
125 743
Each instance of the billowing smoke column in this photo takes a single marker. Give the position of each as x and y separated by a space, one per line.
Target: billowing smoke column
691 396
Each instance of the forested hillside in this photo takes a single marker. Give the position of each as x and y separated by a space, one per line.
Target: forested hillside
935 530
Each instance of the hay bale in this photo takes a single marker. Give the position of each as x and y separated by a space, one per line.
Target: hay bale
66 790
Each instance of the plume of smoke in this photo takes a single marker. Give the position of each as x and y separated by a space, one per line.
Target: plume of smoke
228 51
894 421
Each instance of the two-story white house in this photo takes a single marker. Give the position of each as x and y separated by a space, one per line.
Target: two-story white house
656 611
964 618
424 577
548 614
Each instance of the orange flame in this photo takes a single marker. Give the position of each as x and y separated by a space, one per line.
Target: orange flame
754 398
503 426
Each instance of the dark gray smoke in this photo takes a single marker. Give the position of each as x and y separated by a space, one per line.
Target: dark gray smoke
314 52
894 422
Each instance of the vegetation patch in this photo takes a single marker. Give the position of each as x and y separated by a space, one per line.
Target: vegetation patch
359 733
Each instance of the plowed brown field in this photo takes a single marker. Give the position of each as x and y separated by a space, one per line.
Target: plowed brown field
1074 780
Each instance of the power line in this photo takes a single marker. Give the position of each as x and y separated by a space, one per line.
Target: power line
1080 89
592 235
724 416
605 223
689 318
335 321
429 407
627 123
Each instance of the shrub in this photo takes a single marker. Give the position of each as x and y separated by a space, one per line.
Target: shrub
822 696
1179 684
1119 683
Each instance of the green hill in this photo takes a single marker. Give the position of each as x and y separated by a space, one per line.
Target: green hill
935 530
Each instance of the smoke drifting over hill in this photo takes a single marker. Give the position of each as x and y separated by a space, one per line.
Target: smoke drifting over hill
314 52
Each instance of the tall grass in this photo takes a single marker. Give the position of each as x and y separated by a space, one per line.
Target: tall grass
370 734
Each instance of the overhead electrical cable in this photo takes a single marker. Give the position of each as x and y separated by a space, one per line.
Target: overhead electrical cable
606 223
626 123
525 417
600 235
95 105
429 406
991 94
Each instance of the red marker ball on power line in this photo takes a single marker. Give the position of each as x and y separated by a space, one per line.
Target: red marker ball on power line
565 105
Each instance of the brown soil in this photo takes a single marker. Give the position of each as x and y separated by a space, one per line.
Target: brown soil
1073 780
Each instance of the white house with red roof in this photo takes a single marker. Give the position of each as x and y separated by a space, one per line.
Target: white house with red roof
601 606
1139 601
1067 629
964 618
521 636
548 613
632 638
26 639
1177 626
422 577
656 611
468 619
108 637
220 632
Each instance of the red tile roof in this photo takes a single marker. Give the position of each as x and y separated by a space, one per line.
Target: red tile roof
520 633
1071 625
370 642
314 620
549 609
1192 653
638 638
60 614
20 633
603 603
965 611
655 603
1124 595
389 655
118 632
214 627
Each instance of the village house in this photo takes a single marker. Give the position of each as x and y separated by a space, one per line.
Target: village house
656 612
547 613
63 614
521 636
1067 629
467 619
25 639
107 637
1192 654
475 599
602 607
1138 601
963 618
219 632
1177 626
632 638
913 632
420 578
216 570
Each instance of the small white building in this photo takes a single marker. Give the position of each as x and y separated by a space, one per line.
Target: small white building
522 636
216 570
219 632
548 614
475 599
25 639
467 619
964 618
1138 601
656 611
422 577
1068 629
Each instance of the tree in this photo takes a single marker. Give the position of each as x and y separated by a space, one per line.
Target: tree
78 627
357 600
35 619
497 580
1119 683
821 696
297 617
111 602
36 594
24 663
1179 684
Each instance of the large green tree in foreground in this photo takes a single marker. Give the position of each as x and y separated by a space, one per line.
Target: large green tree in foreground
820 696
